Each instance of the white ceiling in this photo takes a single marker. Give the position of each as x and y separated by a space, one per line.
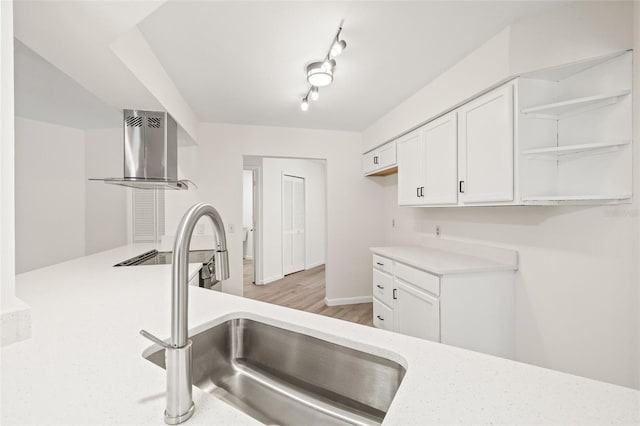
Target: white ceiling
244 62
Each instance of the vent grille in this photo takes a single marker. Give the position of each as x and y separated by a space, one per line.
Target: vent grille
153 122
134 121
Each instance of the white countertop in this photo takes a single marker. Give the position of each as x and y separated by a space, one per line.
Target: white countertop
440 262
84 363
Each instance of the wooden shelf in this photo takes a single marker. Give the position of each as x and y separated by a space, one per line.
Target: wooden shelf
558 110
550 200
575 150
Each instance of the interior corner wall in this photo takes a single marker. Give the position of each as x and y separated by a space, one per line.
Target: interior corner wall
577 287
106 208
315 217
352 200
50 194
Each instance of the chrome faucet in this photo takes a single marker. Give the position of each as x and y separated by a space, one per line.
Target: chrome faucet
178 353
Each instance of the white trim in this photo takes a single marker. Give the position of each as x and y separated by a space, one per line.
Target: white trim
313 265
270 279
348 300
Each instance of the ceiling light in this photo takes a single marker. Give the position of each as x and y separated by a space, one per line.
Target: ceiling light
315 93
337 47
319 74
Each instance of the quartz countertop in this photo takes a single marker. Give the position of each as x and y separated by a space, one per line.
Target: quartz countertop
440 262
84 363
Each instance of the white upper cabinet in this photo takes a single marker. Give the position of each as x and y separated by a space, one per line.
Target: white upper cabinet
486 141
410 169
428 164
440 142
381 161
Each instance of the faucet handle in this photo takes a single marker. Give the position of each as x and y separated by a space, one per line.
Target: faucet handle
155 340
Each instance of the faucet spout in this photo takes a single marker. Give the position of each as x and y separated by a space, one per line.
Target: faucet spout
178 357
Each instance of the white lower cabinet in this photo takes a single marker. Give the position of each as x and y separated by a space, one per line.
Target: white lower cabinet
416 313
470 310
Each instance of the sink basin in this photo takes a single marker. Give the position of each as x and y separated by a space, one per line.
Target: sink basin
282 377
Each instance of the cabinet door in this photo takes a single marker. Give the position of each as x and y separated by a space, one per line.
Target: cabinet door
440 139
410 169
486 147
369 162
416 313
387 155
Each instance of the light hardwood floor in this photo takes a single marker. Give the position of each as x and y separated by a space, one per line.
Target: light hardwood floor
304 291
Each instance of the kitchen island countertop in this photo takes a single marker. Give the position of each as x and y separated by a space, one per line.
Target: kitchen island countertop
84 365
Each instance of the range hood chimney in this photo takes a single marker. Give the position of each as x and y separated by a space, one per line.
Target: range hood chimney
150 152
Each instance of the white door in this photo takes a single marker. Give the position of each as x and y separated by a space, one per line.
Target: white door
293 238
416 313
486 147
440 139
410 169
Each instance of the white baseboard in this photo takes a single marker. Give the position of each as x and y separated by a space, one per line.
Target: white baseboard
313 265
348 300
270 279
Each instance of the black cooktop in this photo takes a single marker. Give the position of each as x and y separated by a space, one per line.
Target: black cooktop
155 257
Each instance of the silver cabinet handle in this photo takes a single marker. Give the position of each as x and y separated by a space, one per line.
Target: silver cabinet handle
380 318
395 293
380 287
379 264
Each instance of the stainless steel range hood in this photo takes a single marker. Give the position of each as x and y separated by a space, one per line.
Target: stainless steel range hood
150 152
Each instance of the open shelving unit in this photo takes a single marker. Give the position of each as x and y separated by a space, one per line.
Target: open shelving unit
575 134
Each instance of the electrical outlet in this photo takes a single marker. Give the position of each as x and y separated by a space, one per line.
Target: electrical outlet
232 228
438 231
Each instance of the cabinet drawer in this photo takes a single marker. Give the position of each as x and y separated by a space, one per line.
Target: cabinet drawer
382 264
418 278
382 316
383 287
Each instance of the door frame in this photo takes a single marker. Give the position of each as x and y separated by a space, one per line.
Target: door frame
304 204
257 219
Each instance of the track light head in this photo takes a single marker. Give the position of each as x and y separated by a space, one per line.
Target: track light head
315 93
337 47
304 105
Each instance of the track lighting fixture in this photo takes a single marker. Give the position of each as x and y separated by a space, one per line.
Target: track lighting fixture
337 47
305 104
315 93
320 74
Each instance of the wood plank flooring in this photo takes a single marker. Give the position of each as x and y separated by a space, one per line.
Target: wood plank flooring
304 291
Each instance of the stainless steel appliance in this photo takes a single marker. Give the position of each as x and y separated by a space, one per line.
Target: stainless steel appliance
150 152
206 257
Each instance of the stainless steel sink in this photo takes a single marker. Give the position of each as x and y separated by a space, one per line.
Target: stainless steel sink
282 377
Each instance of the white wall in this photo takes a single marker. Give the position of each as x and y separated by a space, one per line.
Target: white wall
50 194
315 214
577 287
106 205
15 316
352 205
